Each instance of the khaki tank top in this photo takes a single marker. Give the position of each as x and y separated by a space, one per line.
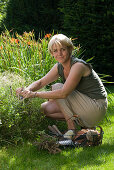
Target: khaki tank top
91 85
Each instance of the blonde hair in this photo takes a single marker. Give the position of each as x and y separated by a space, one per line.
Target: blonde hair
60 39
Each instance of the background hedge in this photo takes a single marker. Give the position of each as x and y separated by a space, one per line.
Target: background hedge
30 15
92 23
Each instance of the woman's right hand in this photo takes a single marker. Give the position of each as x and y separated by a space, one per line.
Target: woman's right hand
19 90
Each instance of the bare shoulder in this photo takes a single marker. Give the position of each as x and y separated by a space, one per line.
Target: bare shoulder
54 68
78 67
79 64
81 67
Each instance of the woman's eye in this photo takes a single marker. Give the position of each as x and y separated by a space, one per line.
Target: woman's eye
63 49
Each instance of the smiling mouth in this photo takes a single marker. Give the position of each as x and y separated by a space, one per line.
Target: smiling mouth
60 57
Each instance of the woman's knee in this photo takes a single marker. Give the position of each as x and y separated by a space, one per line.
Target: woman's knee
44 106
57 86
50 107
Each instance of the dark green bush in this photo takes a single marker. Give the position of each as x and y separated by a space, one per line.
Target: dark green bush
91 22
30 15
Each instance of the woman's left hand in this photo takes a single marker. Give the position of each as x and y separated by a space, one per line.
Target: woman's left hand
27 94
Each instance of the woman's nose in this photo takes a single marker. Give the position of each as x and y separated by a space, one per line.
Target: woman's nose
60 52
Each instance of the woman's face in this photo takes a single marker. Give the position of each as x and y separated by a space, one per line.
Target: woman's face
60 53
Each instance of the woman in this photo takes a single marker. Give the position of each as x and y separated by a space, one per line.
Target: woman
82 92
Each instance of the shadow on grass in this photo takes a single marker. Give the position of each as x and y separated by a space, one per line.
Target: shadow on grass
28 157
91 156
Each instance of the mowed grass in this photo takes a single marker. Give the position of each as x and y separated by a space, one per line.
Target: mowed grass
27 157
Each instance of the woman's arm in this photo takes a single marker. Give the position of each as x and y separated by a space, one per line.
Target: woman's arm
75 75
77 71
51 76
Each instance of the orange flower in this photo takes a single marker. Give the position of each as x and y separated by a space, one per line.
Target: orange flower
16 41
1 47
47 35
12 40
28 42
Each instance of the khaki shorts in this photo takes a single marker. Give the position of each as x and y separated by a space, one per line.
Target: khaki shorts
90 111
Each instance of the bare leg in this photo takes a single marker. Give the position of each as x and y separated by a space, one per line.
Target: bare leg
52 109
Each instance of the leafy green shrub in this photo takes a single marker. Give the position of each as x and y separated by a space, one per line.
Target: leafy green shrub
20 119
30 15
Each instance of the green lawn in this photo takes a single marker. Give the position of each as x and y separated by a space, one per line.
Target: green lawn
27 157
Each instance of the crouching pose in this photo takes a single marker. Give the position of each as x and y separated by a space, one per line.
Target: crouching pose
81 94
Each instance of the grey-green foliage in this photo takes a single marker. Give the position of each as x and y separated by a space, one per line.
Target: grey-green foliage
20 119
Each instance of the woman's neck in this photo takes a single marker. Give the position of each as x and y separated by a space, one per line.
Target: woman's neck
67 64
